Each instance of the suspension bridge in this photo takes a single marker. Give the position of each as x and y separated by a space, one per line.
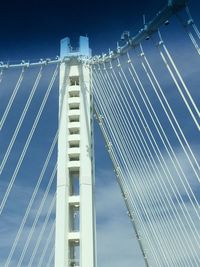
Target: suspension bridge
144 95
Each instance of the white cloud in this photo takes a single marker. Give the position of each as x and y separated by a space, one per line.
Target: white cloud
11 220
116 241
173 229
116 245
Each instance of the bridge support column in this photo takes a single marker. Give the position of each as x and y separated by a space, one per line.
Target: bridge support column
75 213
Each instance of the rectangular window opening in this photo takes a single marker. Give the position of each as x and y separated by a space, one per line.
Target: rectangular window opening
74 119
74 218
74 106
74 94
74 183
74 131
74 145
74 80
74 158
74 253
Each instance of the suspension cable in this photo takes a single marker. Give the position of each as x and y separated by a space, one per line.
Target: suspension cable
20 122
39 239
39 181
165 136
12 98
9 188
38 214
48 242
122 150
51 257
172 74
128 83
187 25
100 89
149 72
194 206
1 76
140 152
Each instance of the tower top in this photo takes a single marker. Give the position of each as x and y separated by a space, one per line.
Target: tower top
68 51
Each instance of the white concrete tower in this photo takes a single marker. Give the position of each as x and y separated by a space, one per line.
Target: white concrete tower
75 214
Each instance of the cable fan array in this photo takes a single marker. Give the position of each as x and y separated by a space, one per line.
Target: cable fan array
154 149
25 114
148 111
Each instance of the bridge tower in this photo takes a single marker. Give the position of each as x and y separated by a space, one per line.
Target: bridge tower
75 213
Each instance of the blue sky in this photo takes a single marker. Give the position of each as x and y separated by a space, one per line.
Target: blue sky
33 32
112 223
